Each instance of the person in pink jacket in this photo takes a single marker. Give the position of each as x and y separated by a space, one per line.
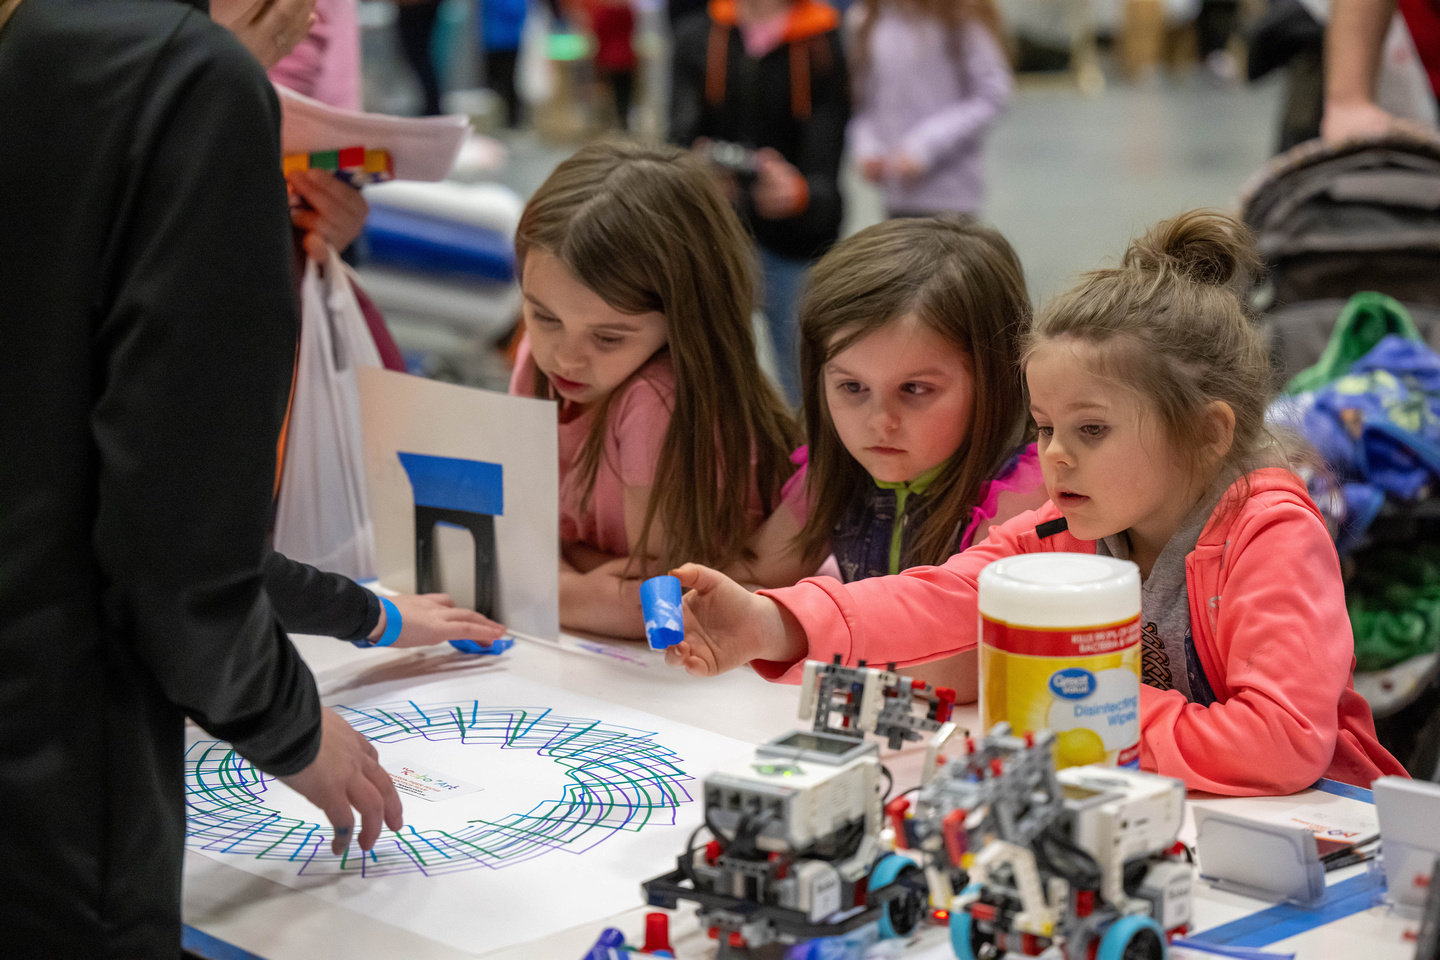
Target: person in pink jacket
1148 386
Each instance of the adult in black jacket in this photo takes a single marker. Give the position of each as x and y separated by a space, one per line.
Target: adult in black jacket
770 75
148 313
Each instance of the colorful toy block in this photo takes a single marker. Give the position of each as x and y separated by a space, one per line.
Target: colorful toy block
356 166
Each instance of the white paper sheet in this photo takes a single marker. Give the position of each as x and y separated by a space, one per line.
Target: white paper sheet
578 801
415 415
423 148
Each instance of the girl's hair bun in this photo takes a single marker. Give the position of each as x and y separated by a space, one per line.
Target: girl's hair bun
1203 246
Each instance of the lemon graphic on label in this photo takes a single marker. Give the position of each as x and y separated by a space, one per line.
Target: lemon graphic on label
1077 747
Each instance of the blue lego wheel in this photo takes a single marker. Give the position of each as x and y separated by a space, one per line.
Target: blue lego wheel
1132 938
900 917
962 933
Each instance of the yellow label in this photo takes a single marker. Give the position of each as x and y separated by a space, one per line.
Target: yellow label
1081 684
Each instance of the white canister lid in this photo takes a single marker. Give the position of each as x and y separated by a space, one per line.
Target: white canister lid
1060 590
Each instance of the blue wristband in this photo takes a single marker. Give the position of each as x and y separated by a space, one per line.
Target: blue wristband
393 625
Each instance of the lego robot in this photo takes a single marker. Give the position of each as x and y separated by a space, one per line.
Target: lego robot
795 853
1079 864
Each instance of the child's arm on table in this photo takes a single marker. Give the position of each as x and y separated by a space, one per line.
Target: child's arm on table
1287 650
605 598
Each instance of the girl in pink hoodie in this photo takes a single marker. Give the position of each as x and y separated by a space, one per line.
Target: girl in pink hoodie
1148 387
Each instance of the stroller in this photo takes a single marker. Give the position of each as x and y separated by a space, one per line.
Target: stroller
1332 222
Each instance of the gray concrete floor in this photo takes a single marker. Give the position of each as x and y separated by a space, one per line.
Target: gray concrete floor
1073 178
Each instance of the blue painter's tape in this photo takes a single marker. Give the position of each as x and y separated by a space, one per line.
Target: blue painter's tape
1284 921
212 948
1343 790
449 483
1238 953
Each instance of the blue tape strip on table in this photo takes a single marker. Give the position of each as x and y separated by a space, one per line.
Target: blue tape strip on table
1238 953
449 483
1343 790
399 238
1284 920
211 948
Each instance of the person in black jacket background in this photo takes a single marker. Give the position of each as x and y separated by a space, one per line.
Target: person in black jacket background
770 75
149 316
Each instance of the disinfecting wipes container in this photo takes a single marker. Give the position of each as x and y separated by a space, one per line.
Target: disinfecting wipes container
1060 651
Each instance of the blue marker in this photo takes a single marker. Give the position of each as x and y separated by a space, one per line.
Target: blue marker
664 617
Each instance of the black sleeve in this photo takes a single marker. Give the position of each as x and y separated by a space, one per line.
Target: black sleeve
822 146
687 80
307 600
195 347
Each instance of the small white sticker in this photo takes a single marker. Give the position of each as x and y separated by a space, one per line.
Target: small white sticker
413 780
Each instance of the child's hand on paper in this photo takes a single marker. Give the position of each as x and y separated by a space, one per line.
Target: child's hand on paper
346 774
727 626
331 212
431 618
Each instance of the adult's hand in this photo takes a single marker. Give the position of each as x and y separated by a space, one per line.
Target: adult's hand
346 776
270 29
1360 118
1354 41
727 626
780 189
430 618
332 213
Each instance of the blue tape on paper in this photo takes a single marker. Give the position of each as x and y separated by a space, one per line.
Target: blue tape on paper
1284 921
1237 953
449 483
1343 790
211 948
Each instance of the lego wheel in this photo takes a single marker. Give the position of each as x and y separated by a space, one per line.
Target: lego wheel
965 940
1132 938
902 915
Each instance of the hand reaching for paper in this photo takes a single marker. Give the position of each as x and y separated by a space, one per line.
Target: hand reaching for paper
431 618
727 626
346 776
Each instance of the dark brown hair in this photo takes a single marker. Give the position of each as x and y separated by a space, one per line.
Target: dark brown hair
1173 328
647 230
962 280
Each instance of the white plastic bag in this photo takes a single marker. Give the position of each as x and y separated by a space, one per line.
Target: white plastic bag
323 514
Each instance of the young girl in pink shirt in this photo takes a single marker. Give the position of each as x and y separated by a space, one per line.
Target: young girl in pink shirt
1148 387
638 284
910 338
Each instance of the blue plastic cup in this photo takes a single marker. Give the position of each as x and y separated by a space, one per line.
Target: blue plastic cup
664 619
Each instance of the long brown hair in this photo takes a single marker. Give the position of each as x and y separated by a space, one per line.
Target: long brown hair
1172 327
647 230
951 14
962 280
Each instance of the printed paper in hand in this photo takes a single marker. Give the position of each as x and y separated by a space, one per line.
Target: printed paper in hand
423 148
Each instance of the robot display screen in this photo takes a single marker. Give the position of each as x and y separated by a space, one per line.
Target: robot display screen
809 741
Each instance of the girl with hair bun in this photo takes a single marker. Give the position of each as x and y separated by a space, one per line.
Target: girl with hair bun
1148 387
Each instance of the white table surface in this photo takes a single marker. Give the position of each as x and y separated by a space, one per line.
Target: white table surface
280 923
